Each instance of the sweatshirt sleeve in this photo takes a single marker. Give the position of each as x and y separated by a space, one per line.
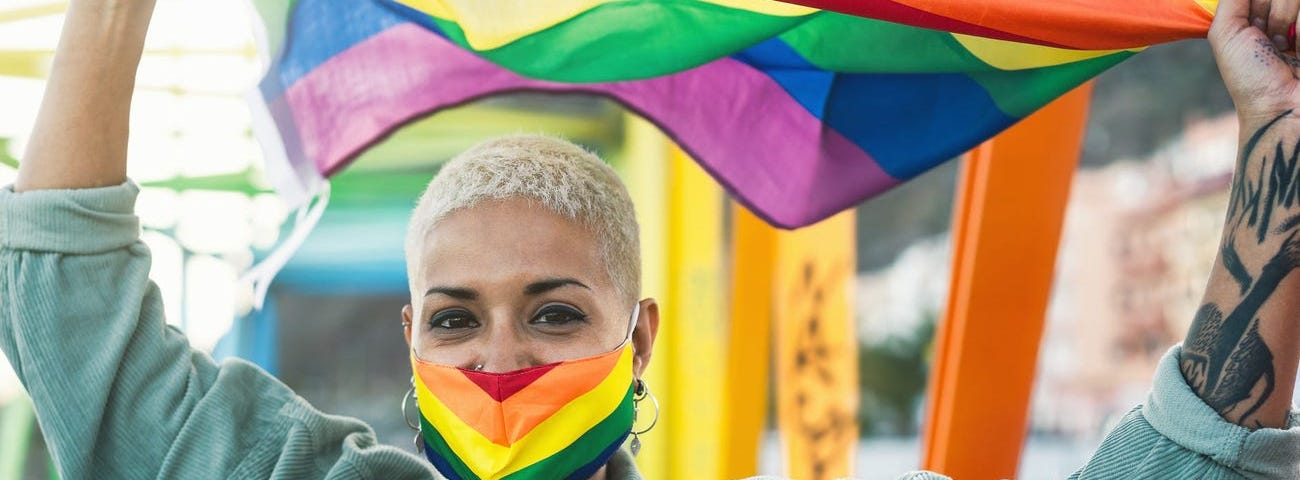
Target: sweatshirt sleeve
1176 435
118 392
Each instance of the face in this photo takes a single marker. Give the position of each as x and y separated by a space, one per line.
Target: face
508 284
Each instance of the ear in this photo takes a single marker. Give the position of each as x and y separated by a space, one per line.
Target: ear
406 323
643 337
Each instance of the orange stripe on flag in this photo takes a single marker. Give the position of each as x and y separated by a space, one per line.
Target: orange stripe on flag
1077 23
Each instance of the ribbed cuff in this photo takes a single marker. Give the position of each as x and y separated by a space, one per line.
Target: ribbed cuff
81 221
1175 411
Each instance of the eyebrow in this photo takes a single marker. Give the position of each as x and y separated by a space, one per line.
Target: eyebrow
538 288
535 288
457 293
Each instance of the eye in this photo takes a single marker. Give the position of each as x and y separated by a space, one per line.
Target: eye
452 320
558 315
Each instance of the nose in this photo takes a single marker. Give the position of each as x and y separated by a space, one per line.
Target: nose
506 349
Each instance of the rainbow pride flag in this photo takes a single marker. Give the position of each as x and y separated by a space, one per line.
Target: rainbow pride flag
799 113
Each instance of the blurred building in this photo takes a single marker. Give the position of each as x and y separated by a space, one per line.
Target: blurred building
896 300
1139 241
1140 238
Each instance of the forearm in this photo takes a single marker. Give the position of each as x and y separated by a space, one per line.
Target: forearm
1242 350
80 136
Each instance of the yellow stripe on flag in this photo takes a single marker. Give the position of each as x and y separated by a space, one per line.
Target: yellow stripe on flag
490 24
1005 55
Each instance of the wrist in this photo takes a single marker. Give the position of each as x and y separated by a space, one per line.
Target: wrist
1257 117
102 38
112 17
114 6
1267 125
1258 106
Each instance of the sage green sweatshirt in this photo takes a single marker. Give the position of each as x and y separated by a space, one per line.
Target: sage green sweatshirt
121 394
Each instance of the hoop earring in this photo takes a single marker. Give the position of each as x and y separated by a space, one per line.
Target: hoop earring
641 392
413 425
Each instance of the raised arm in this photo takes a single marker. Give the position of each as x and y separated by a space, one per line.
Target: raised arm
81 132
1241 353
119 394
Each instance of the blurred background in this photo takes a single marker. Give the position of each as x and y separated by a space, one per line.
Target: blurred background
1141 231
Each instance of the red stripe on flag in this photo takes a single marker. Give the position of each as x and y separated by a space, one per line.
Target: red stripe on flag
890 11
500 387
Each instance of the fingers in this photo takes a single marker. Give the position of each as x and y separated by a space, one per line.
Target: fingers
1281 16
1233 16
1273 20
1259 13
1233 10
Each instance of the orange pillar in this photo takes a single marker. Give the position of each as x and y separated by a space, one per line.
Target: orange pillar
1006 228
749 342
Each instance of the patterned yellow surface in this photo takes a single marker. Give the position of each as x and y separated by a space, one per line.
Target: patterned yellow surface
816 349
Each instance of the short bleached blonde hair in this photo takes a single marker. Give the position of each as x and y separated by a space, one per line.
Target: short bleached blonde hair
556 174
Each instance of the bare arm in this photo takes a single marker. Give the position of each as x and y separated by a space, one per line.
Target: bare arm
80 136
1241 352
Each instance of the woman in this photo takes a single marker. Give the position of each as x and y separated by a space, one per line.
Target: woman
526 340
523 258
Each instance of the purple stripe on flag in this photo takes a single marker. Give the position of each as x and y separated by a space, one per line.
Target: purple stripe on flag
755 139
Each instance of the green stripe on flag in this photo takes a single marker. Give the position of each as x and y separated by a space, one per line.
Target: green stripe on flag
434 440
1019 93
848 44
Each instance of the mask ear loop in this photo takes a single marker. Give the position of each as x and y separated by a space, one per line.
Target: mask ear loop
631 327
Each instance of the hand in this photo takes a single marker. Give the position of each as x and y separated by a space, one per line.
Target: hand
80 136
1261 71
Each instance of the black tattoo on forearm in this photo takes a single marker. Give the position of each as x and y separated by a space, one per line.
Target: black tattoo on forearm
1232 263
1225 359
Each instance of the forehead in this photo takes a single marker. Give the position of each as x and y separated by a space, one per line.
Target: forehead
509 241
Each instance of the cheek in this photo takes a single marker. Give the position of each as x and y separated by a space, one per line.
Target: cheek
458 355
595 339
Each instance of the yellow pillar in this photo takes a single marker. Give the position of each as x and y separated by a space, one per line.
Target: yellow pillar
645 170
692 323
816 349
680 210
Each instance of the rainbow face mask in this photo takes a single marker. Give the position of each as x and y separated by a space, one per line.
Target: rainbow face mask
563 420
